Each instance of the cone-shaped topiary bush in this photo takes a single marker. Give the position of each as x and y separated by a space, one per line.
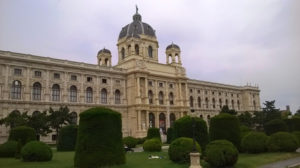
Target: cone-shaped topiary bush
153 133
255 142
180 149
8 149
221 153
170 135
183 127
99 140
130 142
282 142
67 138
36 151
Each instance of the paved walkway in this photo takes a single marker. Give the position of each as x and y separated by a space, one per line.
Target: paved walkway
284 163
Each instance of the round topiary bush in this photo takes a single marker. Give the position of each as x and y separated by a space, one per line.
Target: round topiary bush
22 135
225 126
183 127
152 145
36 151
297 135
99 140
170 135
221 153
8 149
274 126
282 142
67 138
180 149
255 142
130 142
153 133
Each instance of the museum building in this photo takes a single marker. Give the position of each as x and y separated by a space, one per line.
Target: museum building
146 93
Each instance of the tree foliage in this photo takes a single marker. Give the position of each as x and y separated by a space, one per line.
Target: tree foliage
15 119
225 109
246 119
39 122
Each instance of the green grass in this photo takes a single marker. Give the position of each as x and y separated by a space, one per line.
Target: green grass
137 160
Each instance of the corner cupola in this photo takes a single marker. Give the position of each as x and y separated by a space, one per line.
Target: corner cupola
104 57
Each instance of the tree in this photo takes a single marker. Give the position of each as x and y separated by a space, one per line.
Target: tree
297 112
39 122
225 109
270 112
59 118
246 119
15 119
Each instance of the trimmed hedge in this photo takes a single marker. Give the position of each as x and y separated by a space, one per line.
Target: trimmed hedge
153 133
152 145
99 140
221 153
282 142
225 126
36 151
274 126
130 142
255 142
180 149
170 135
183 127
8 149
293 124
141 140
22 134
297 135
67 138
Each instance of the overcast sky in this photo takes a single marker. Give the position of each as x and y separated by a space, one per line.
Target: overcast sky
233 41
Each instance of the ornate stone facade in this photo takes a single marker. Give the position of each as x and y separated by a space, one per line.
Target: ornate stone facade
147 93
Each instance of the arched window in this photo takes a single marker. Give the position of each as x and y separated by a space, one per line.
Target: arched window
238 103
172 119
150 96
214 102
232 104
55 92
73 94
73 118
226 102
150 52
161 98
16 90
201 116
36 91
191 101
220 103
171 98
254 105
129 50
117 97
89 95
123 53
106 61
137 49
162 122
206 102
170 58
151 120
199 102
103 96
176 58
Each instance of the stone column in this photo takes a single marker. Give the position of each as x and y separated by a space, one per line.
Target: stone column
139 119
180 95
27 90
156 119
146 91
147 120
6 91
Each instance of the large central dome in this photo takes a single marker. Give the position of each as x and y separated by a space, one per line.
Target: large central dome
136 28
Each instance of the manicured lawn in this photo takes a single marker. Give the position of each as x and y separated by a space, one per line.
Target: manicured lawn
137 160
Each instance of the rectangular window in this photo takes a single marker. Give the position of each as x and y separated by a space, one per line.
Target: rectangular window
74 77
191 90
89 79
171 86
17 71
213 93
150 83
54 137
104 81
198 91
56 76
161 84
37 74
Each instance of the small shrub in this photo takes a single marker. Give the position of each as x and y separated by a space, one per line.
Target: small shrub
225 126
183 127
180 149
8 149
36 151
255 142
170 135
282 142
130 142
221 153
153 133
297 135
99 140
274 126
22 135
67 138
152 145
